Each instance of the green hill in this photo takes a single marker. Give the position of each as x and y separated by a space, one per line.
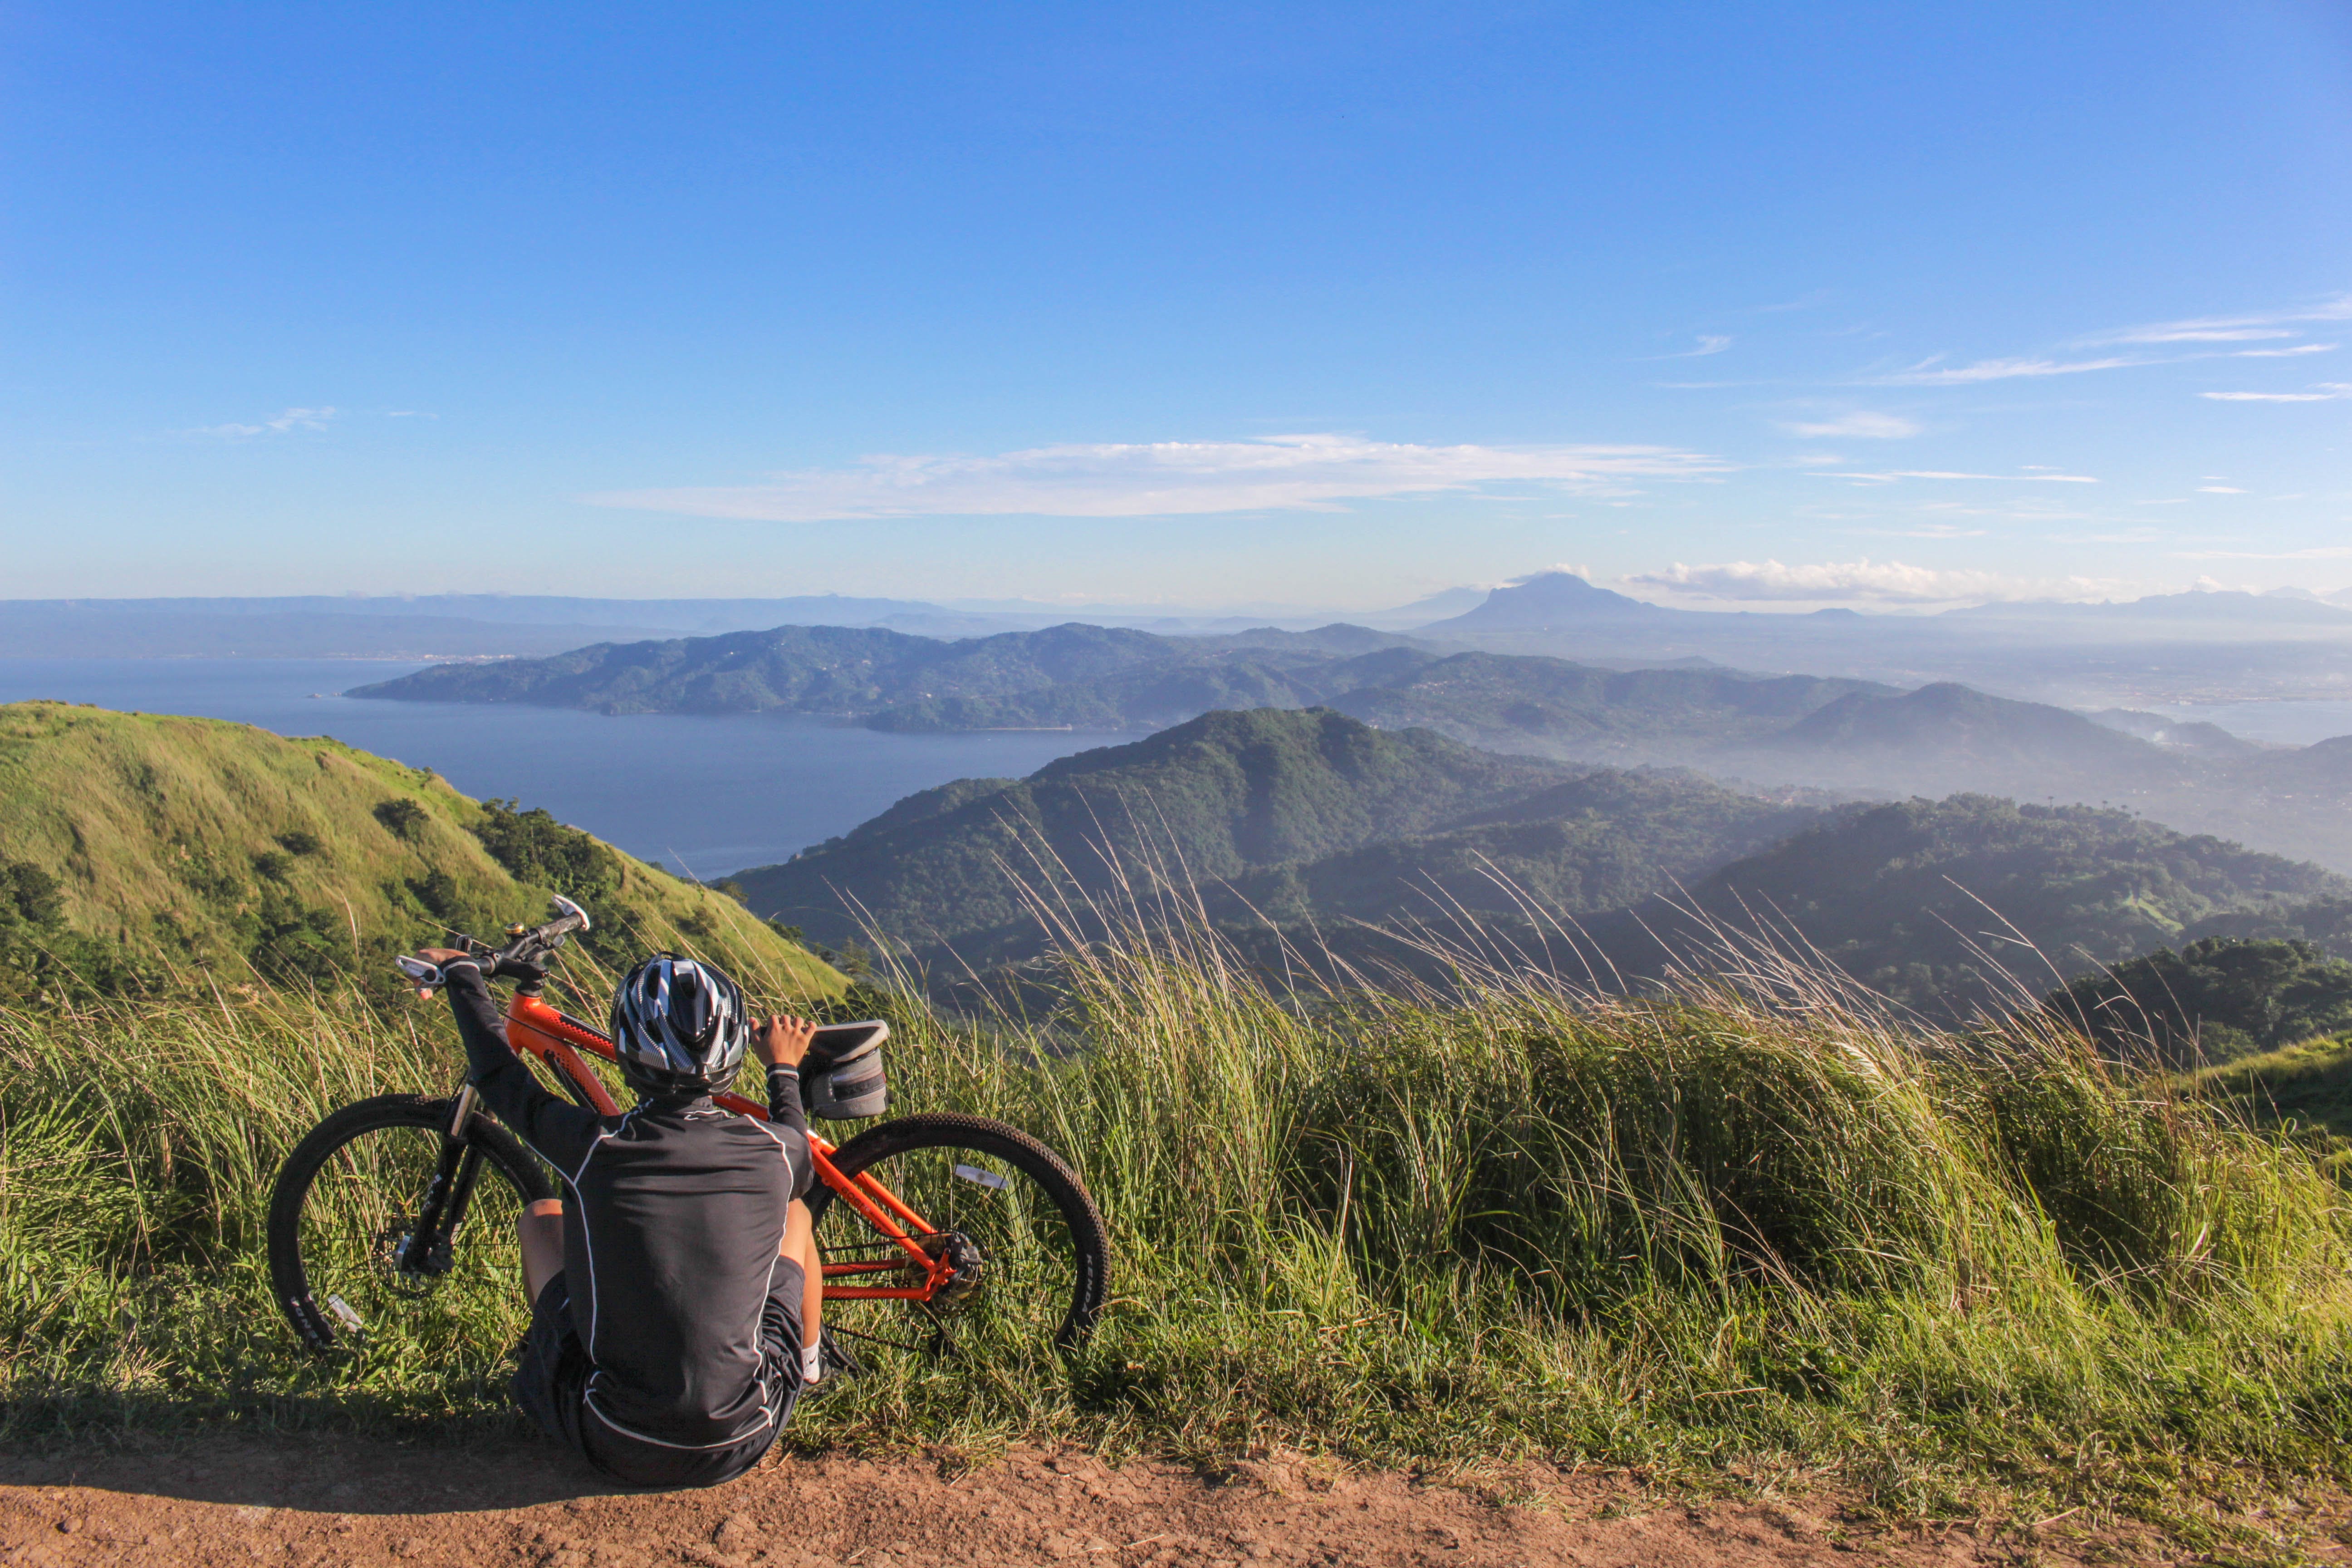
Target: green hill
1930 900
1217 797
2215 1000
1088 676
1597 842
134 847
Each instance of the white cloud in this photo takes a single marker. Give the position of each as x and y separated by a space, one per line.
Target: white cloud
2231 329
1923 374
291 420
1165 479
2284 354
1706 346
1890 476
1875 582
2186 333
1871 426
2323 392
2219 491
2317 553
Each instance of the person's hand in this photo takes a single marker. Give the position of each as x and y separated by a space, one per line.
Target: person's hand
435 955
780 1041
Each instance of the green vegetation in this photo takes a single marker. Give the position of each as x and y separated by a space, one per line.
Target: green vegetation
2214 1000
1969 903
1224 794
1309 827
2304 1087
1797 729
140 849
1707 1235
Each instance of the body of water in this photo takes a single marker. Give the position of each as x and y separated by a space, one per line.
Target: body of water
706 795
2282 723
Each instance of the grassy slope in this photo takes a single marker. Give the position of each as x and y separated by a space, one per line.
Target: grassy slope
2308 1085
1718 1240
170 838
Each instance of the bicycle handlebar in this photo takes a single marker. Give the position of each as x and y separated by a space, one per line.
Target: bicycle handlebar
524 957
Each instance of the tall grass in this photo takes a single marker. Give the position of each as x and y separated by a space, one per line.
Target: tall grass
1760 1229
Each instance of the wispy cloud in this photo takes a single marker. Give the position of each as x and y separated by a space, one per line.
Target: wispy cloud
1890 476
2231 329
1864 581
1706 346
1927 373
1316 473
2219 491
2322 392
1870 426
291 420
2317 553
2284 354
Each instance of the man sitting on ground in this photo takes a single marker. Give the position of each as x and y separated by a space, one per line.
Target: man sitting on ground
675 1289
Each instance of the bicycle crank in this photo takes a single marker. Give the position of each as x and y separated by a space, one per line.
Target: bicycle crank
963 1256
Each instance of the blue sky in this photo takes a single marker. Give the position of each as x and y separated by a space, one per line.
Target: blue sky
1730 306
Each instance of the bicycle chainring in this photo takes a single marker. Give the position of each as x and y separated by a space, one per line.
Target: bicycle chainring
964 1256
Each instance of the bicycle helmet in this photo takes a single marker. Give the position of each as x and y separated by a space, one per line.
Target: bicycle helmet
678 1026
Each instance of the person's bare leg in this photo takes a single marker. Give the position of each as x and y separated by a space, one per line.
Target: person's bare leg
541 1231
799 1245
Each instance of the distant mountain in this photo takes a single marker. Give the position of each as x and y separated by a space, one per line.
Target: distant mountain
1826 734
1074 675
2215 607
1212 799
1548 600
1929 902
1577 711
1958 734
133 845
2206 740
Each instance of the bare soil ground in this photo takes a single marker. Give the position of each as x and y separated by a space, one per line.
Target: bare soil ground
336 1501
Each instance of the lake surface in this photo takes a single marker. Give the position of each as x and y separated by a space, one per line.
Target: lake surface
705 794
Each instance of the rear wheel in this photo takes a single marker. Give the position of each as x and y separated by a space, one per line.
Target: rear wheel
1032 1261
346 1259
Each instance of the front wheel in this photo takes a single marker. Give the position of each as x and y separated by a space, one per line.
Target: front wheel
384 1231
1032 1261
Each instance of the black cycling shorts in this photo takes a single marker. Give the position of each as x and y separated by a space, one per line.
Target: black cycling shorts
551 1385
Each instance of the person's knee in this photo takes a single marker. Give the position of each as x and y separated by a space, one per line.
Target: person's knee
542 1207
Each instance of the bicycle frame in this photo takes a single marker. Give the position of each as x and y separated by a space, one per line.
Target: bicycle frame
558 1041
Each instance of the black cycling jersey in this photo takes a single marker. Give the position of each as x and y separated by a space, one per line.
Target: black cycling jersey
671 1234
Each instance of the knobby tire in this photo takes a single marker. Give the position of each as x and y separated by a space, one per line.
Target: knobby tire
289 1274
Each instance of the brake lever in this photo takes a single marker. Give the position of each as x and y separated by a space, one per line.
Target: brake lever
420 972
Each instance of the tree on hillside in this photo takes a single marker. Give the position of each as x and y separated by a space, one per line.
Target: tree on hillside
2216 999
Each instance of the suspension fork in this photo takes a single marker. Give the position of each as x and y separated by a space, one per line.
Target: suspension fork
448 1197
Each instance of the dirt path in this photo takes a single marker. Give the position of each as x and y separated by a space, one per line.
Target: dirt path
309 1504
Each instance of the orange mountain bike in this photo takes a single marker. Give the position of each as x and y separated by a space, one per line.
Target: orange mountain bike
392 1224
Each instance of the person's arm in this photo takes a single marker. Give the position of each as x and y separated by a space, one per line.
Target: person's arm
779 1043
561 1132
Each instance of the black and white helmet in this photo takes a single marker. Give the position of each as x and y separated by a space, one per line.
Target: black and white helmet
680 1026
